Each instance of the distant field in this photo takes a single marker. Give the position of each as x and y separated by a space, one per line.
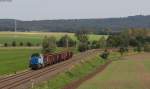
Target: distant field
35 37
123 74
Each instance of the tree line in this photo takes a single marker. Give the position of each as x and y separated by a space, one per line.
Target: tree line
82 43
97 26
136 38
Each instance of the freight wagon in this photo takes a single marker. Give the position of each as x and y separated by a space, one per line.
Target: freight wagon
38 61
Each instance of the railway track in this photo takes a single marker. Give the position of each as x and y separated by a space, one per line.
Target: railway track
12 82
14 76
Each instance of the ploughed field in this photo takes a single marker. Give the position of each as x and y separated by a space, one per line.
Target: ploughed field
132 72
35 37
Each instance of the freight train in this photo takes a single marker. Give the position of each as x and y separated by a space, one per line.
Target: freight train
38 61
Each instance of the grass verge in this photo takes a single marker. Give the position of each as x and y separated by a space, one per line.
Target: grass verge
76 72
132 73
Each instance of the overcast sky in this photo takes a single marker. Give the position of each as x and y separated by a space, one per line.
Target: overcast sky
72 9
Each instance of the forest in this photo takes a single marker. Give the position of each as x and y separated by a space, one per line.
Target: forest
97 26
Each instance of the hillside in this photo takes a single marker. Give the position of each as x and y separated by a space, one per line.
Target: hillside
93 25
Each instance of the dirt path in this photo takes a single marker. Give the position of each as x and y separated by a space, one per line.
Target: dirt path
143 75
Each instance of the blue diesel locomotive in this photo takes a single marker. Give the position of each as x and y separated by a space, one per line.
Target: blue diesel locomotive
38 61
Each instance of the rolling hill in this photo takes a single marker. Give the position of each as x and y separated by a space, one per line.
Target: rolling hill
72 25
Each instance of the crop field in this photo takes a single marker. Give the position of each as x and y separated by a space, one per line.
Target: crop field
133 73
35 37
15 59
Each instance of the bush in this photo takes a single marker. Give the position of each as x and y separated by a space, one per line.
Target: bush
14 43
29 44
21 43
138 49
147 48
105 54
95 45
37 44
83 47
122 50
5 44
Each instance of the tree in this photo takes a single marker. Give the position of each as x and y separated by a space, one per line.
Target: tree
131 37
83 47
14 43
102 42
66 41
45 44
113 41
82 36
49 44
138 37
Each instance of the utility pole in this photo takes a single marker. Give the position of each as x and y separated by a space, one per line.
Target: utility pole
15 26
67 44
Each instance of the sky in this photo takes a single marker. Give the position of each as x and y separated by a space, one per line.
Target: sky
71 9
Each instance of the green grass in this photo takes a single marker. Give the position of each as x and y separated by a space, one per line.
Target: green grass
122 74
35 37
76 72
15 59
